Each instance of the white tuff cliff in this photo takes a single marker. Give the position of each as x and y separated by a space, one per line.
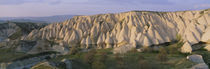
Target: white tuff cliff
133 28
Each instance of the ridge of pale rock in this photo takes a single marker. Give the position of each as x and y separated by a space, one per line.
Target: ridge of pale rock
134 28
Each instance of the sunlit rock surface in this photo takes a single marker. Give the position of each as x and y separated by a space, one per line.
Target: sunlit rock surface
186 48
136 28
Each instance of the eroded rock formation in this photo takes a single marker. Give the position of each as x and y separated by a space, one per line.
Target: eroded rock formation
135 28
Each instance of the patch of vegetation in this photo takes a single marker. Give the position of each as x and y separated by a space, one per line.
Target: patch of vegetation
89 57
7 55
175 47
105 59
35 55
27 27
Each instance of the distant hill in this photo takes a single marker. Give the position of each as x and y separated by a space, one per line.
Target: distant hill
48 19
2 21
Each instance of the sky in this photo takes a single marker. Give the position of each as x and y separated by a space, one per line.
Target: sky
37 8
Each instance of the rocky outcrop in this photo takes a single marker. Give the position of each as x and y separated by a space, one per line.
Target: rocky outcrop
136 28
46 46
200 66
123 49
195 58
186 48
198 59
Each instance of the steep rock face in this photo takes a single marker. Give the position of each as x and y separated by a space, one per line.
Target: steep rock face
130 28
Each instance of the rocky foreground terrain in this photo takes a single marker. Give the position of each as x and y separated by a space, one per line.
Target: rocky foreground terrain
121 32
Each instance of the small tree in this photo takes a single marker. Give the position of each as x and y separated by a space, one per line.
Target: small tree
162 55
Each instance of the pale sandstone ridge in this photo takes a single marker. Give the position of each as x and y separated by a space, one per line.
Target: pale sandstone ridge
130 28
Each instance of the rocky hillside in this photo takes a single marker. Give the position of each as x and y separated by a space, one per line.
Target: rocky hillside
135 28
14 30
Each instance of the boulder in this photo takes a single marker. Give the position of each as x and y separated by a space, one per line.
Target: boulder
198 59
123 49
200 66
186 48
195 58
140 50
68 63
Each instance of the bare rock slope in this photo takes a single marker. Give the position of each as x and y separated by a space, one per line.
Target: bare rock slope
135 28
15 30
